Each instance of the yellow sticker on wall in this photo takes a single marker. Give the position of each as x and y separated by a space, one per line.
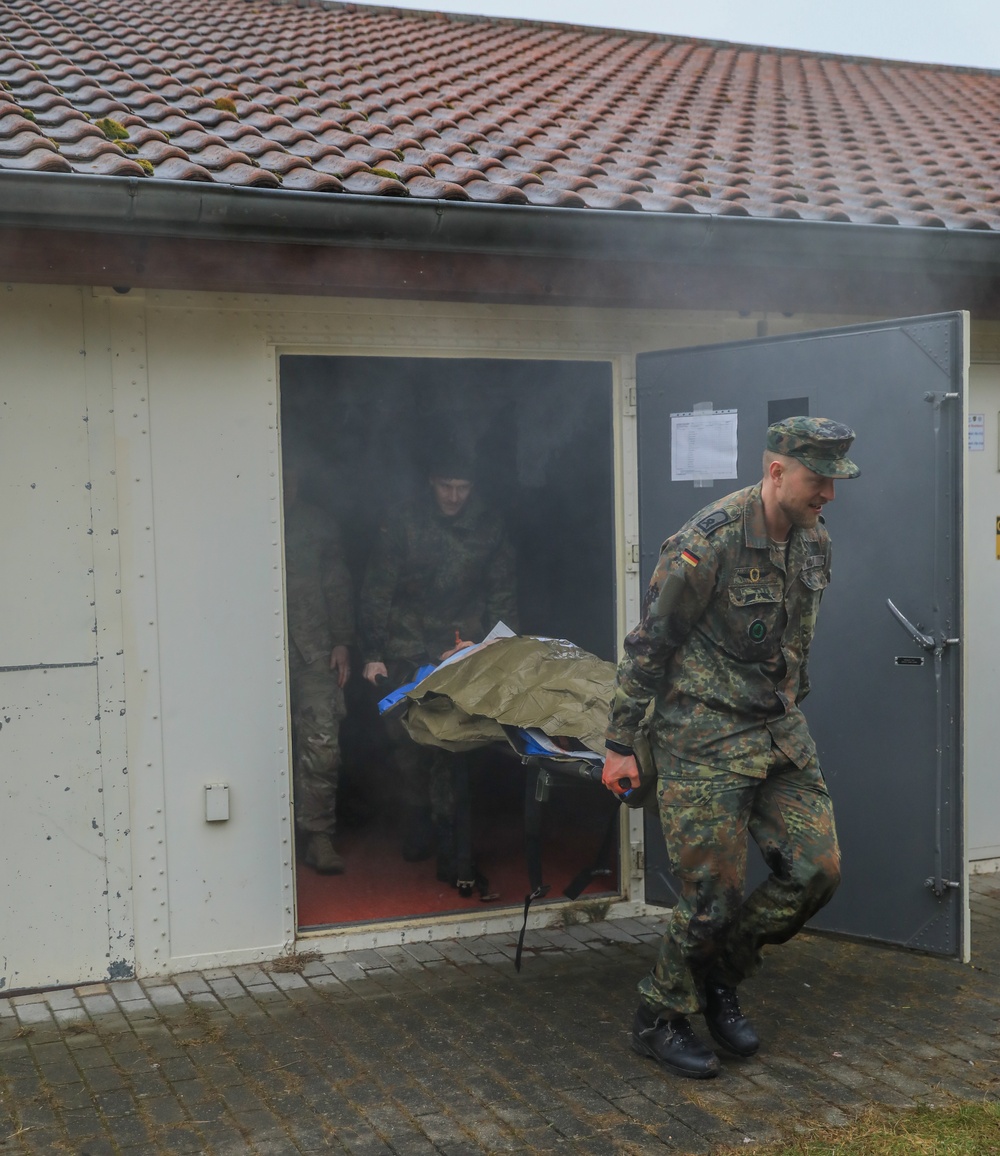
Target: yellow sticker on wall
998 538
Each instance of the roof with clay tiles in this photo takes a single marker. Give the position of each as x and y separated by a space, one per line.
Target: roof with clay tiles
343 99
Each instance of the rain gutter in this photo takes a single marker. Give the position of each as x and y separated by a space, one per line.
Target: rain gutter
149 207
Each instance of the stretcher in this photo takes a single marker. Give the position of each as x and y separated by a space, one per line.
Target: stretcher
543 701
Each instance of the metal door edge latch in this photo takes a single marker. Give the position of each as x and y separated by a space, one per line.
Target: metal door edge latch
937 399
940 886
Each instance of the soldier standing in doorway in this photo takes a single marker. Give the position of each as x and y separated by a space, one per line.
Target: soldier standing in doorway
722 653
321 629
440 577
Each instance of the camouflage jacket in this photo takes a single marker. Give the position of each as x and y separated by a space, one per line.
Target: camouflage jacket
317 583
431 576
723 644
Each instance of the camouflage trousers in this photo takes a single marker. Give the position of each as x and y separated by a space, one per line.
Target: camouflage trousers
424 775
317 712
706 816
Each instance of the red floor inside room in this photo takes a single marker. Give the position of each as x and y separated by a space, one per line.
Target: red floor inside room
378 884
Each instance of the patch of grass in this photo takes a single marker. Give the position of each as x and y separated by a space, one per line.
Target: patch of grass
196 1028
590 911
959 1130
295 961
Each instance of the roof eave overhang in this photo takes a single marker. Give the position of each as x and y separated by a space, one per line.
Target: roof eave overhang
132 208
221 212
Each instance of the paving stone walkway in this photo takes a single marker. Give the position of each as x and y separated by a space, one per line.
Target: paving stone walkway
443 1048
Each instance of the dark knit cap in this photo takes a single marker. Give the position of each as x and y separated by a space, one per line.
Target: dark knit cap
450 458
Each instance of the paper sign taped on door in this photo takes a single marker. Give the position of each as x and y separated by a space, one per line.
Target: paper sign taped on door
703 446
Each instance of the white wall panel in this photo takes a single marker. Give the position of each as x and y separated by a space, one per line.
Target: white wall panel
52 831
982 621
53 902
47 612
219 617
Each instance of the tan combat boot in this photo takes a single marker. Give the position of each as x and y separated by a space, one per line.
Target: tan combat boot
322 856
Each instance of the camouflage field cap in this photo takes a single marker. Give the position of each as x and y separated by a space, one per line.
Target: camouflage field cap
817 442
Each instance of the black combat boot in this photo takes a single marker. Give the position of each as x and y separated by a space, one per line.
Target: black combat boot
418 834
673 1044
728 1026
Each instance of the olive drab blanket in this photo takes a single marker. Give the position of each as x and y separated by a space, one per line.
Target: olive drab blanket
544 683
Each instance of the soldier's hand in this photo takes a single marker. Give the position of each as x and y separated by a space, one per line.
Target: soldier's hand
621 772
373 671
340 661
459 645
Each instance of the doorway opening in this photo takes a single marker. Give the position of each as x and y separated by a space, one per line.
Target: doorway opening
541 436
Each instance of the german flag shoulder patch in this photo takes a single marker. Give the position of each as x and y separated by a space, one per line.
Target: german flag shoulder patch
690 557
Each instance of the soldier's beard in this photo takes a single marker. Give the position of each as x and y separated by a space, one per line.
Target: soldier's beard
801 514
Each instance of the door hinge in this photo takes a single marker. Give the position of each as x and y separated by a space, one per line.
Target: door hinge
638 859
631 556
628 397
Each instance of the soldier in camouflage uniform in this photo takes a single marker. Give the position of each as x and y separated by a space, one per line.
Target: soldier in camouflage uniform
321 628
714 675
440 577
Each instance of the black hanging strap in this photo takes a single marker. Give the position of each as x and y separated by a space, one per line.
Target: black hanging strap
578 884
535 791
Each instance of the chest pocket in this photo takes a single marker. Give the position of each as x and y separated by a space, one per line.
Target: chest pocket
756 617
751 587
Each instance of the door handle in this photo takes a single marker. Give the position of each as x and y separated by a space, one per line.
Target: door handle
918 636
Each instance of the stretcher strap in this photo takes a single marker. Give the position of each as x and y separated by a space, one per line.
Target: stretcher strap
584 878
533 848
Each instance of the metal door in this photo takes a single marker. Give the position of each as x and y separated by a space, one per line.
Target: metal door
885 668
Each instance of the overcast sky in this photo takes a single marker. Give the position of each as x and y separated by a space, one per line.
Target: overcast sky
949 32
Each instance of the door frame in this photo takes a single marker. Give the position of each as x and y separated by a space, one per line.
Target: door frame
625 530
